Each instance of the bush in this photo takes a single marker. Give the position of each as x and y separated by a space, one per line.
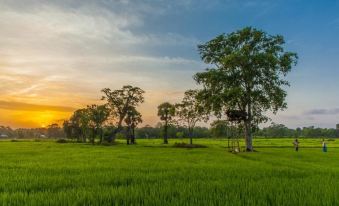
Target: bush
61 141
184 145
120 135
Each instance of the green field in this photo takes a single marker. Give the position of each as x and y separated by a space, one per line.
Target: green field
149 173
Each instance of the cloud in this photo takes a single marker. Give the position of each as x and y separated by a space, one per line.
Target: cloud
64 52
333 111
7 105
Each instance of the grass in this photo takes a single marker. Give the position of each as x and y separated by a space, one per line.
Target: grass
149 173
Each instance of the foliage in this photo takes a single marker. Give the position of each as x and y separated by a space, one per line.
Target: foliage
280 130
6 132
248 75
220 128
133 118
148 131
166 112
190 111
98 115
61 141
179 135
121 101
54 131
79 122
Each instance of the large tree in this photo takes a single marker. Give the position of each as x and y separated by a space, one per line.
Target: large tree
120 101
80 124
133 118
98 114
190 111
166 111
248 75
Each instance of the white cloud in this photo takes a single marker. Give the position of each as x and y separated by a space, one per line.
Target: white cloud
63 52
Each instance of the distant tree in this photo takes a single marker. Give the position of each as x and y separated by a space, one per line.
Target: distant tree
98 114
220 128
298 132
120 101
147 132
166 112
190 111
201 132
133 118
6 132
67 127
250 66
80 124
179 135
54 131
277 130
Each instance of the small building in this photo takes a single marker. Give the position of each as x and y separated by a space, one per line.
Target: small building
3 136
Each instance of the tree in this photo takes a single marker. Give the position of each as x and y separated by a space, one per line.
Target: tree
67 127
120 101
98 114
133 118
190 111
147 132
80 124
220 128
249 72
53 130
166 111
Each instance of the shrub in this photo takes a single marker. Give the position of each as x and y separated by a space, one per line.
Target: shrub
61 141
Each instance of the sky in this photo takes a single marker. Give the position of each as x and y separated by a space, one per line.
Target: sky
56 55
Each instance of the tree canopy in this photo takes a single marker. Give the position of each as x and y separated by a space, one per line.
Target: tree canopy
248 75
133 118
121 101
190 111
166 112
98 114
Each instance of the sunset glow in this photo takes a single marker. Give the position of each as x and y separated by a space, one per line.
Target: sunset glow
56 56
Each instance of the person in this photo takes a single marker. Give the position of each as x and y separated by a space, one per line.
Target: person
296 145
324 146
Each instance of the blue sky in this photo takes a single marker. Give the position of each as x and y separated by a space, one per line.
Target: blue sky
61 53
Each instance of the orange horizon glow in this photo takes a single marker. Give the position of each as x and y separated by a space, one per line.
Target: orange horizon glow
31 115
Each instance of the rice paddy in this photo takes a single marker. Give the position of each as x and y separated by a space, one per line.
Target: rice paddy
150 173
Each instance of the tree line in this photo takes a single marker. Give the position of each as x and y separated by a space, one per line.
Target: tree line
217 129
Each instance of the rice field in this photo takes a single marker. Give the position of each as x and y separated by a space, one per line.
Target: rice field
150 173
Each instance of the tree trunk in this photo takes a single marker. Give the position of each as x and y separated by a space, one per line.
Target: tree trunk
128 136
165 134
101 135
248 129
248 136
190 131
133 136
83 136
93 136
118 129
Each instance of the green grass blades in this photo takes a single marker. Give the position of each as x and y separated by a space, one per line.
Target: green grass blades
150 173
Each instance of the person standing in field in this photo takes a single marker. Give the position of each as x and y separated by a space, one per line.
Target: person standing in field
324 146
296 145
